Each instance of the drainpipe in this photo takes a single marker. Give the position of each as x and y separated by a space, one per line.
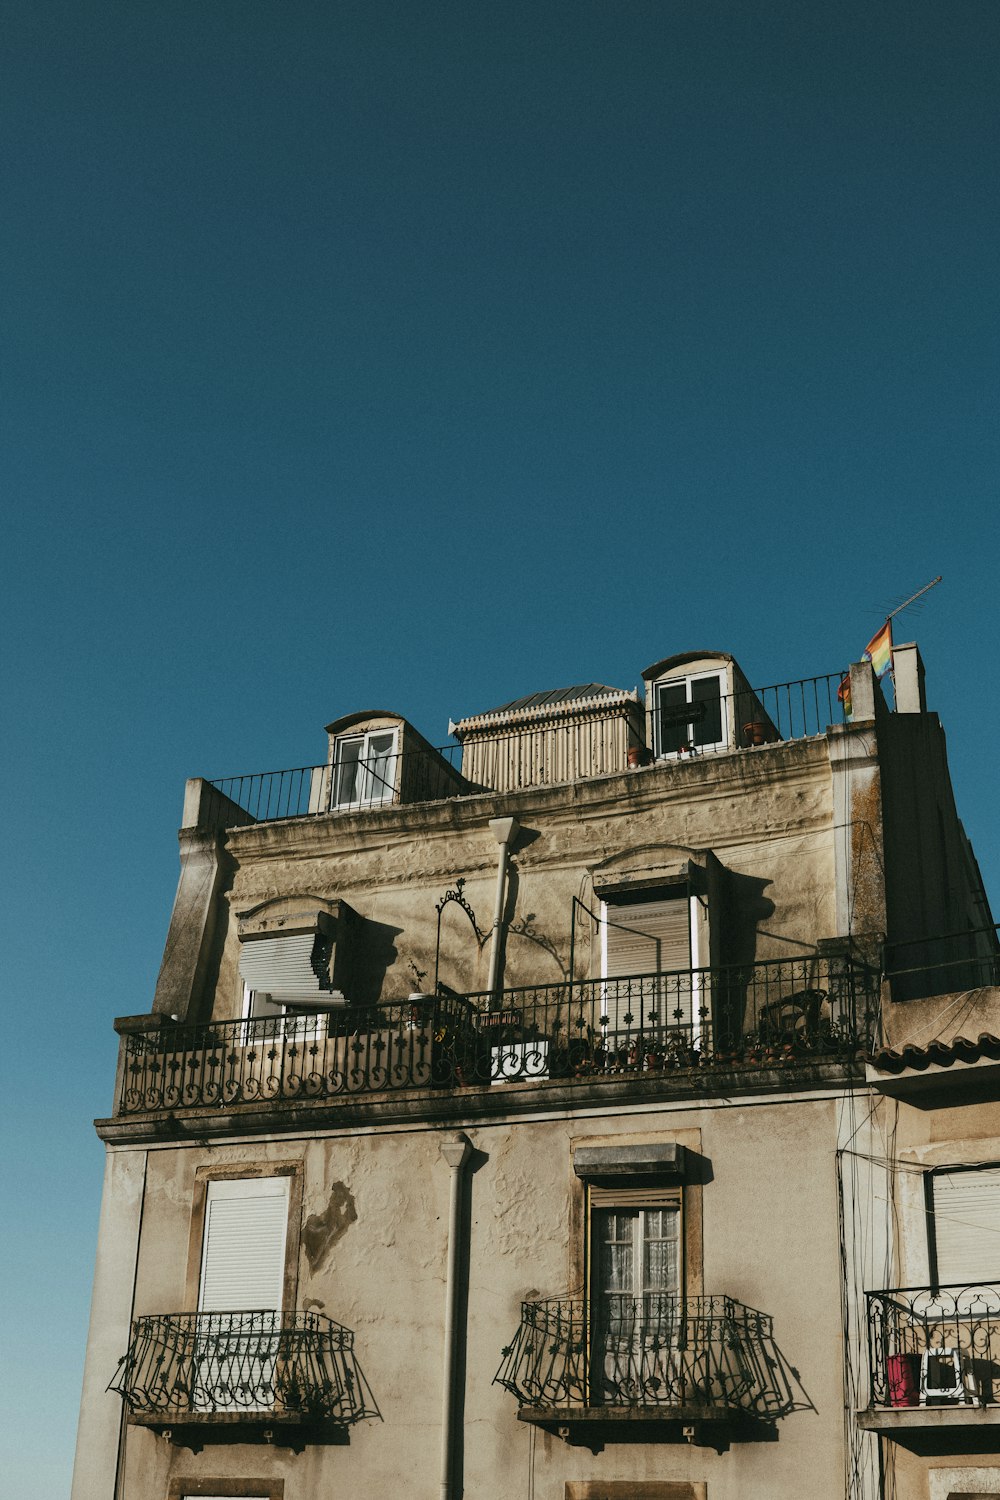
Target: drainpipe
505 831
456 1151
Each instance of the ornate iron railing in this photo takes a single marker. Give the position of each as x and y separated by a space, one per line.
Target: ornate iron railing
542 755
655 1351
778 1013
939 1345
300 1365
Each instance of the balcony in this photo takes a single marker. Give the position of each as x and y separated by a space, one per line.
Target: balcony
669 1033
934 1357
547 755
262 1370
696 1369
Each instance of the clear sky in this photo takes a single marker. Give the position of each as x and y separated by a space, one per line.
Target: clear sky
422 355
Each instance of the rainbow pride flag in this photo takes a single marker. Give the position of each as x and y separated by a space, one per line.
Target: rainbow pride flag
879 650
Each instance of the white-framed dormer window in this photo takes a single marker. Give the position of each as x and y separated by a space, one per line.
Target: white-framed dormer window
690 713
364 768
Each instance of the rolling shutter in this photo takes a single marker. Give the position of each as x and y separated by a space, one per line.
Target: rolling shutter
243 1252
643 939
292 968
648 937
967 1225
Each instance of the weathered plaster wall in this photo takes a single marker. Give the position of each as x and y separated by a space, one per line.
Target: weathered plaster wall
110 1318
770 1216
767 815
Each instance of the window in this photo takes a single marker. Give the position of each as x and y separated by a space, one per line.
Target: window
638 1253
651 941
965 1225
294 957
267 1020
636 1301
262 1015
241 1292
243 1247
364 769
688 712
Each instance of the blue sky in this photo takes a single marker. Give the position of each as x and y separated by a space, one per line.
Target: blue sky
422 355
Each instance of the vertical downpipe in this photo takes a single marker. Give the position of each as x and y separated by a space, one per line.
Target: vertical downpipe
505 831
456 1151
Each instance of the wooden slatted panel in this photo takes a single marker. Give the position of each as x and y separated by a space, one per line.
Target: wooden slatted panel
637 1197
282 968
243 1253
967 1225
648 937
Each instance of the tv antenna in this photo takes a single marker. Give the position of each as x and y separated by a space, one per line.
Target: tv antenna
913 598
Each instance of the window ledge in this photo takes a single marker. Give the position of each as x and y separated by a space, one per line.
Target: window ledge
196 1430
701 1425
937 1428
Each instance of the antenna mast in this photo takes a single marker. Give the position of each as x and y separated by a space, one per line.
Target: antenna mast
913 598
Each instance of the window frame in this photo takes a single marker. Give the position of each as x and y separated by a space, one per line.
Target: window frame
699 956
317 1029
952 1169
199 1208
371 795
685 680
623 1198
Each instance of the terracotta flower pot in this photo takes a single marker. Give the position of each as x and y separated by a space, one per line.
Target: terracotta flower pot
756 733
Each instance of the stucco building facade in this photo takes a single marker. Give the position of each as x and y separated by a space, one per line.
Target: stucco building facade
520 1120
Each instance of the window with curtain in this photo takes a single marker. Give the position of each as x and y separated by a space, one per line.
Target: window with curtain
636 1287
365 769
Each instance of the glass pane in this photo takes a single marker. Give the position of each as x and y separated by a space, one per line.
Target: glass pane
261 1005
616 1235
672 727
346 788
380 763
708 730
661 1247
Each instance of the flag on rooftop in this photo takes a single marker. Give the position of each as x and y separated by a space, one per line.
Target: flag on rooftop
879 650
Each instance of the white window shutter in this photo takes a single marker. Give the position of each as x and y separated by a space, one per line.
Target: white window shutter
243 1251
967 1225
648 937
282 966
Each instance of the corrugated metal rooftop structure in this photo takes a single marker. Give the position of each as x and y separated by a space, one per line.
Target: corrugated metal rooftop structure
556 696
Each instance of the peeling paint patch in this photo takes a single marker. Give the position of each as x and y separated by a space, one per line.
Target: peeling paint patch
321 1232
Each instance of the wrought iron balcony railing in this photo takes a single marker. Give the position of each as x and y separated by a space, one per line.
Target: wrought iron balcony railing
192 1366
935 1346
777 1013
656 1351
546 755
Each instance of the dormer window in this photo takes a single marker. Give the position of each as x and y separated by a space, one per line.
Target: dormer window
688 714
364 768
